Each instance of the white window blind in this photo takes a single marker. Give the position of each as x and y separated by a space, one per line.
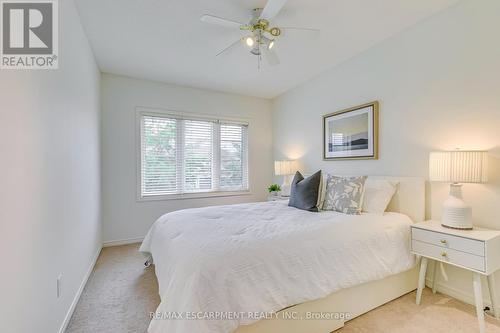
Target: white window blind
233 173
181 156
198 156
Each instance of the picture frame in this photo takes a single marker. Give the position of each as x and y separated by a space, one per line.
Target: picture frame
351 133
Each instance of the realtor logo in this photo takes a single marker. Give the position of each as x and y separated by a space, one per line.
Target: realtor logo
29 34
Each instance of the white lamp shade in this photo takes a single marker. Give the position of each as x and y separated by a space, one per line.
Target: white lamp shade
284 168
458 166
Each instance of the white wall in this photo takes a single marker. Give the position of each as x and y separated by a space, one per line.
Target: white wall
439 88
50 182
126 218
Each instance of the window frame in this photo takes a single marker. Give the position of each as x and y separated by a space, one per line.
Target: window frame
146 111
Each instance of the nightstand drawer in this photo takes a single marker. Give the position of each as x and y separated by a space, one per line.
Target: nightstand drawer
448 255
448 241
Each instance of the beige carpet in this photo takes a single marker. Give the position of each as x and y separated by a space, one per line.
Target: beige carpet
119 295
121 292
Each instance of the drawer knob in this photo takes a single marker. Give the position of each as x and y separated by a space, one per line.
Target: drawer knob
444 254
443 241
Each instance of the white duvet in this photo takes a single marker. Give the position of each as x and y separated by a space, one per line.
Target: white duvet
263 257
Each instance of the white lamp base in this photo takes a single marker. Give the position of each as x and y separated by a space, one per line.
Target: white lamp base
456 213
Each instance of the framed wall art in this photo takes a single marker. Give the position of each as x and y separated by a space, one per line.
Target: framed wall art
351 133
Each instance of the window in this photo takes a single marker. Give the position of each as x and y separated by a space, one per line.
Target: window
181 155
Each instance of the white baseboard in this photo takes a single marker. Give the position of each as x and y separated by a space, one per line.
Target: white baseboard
79 293
457 293
122 241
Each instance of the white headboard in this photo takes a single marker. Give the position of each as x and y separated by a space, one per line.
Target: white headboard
409 198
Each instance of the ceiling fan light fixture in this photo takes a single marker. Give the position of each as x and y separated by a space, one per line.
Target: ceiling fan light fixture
255 50
260 34
249 41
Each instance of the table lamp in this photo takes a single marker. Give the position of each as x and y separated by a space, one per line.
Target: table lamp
286 169
457 167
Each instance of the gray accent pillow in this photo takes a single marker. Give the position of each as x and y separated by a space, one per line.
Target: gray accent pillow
344 194
305 191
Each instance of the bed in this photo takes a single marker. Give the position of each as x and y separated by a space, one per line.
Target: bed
260 267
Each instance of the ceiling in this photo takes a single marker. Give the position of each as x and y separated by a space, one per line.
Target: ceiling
164 40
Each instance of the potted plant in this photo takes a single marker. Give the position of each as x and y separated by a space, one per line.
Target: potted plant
274 189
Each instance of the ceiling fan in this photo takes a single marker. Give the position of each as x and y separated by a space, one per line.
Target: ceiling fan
262 36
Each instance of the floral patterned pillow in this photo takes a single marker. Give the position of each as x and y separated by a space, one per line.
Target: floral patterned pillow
344 194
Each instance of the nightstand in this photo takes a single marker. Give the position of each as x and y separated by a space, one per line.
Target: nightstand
277 198
476 250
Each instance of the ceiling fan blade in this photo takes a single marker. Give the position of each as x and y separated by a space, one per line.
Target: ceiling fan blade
303 29
220 21
271 57
272 9
228 47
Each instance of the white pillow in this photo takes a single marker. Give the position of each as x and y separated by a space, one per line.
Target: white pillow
378 194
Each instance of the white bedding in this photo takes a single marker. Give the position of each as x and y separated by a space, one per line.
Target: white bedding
263 257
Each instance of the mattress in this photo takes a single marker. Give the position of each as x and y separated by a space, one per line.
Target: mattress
224 266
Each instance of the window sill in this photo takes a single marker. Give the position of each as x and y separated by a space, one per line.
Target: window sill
200 195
